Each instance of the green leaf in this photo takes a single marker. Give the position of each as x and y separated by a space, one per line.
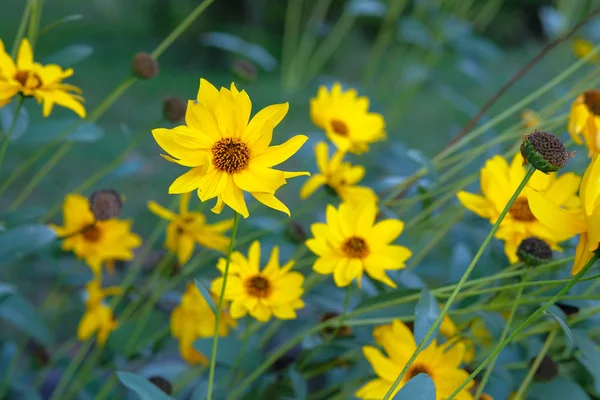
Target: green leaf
7 114
5 290
559 388
590 356
142 386
421 387
70 55
387 299
120 341
23 240
555 314
298 384
426 312
17 311
47 131
206 294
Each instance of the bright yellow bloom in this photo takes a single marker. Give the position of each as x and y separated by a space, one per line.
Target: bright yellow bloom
585 220
441 363
98 317
96 242
346 119
193 319
531 119
43 82
584 120
189 227
351 243
227 154
582 48
273 291
340 176
499 181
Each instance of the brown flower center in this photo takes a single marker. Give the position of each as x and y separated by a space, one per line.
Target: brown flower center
28 80
356 247
257 286
230 155
591 98
520 210
339 127
417 369
92 234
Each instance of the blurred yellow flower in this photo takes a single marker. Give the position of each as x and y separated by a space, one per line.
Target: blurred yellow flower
530 119
227 154
584 120
351 243
43 82
273 291
582 48
189 227
346 119
96 242
584 220
193 319
498 183
340 176
98 317
441 363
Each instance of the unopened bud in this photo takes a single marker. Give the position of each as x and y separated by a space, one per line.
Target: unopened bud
568 309
38 353
162 384
105 204
244 69
145 66
174 109
544 151
534 251
336 331
547 370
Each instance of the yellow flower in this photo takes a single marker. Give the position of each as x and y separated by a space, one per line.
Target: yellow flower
340 176
187 228
227 154
193 319
498 183
584 120
273 291
96 242
585 220
43 82
346 119
351 243
582 48
441 363
530 119
98 317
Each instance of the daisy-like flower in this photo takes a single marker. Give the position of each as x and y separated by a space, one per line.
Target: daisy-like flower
340 176
351 243
441 363
346 119
193 319
499 181
582 48
274 291
98 318
96 242
584 221
228 153
584 120
188 228
32 79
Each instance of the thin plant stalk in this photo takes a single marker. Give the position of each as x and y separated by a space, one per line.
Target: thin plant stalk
71 369
22 28
290 41
536 364
13 123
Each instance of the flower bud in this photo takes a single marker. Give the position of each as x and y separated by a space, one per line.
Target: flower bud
105 204
145 66
244 69
544 151
295 232
162 384
534 251
568 309
38 353
338 331
547 370
174 109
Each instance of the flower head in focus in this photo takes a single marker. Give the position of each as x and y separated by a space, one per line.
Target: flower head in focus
346 119
96 242
582 48
228 152
499 181
351 243
273 291
188 228
98 317
584 120
32 79
340 176
441 363
192 319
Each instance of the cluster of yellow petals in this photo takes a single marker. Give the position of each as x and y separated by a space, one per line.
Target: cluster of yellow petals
98 317
584 120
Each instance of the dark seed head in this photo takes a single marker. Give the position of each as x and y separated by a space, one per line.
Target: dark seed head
547 370
162 384
174 109
568 309
534 251
38 353
105 204
544 151
295 232
145 66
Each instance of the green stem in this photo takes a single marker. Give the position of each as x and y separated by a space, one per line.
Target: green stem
213 356
344 312
245 337
461 283
536 364
13 123
21 29
71 369
525 324
290 40
34 21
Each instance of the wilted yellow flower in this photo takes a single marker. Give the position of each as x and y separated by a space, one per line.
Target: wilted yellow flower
584 220
273 291
441 363
229 155
584 120
499 181
98 317
188 228
346 119
43 82
96 242
340 176
193 319
351 243
582 48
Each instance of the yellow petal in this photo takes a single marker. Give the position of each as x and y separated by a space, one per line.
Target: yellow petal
161 211
275 155
311 185
167 140
254 255
184 201
259 179
187 182
387 230
324 265
478 204
185 249
555 217
207 94
590 183
234 197
271 201
322 156
25 55
212 184
583 254
382 365
563 188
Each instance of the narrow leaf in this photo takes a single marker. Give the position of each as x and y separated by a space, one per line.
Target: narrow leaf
23 240
17 311
421 387
426 312
206 294
145 389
